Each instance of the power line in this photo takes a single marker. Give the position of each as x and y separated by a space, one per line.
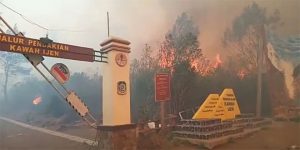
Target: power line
25 18
36 24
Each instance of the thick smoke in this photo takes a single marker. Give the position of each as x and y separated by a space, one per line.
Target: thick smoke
148 21
285 56
213 17
139 21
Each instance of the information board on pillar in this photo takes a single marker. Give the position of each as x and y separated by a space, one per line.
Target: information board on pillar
162 87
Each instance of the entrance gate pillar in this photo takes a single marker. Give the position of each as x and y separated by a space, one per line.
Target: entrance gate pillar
117 132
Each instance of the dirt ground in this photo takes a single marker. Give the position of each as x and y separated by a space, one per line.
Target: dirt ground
13 137
279 136
84 132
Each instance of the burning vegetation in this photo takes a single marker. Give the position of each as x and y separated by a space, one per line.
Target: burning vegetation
37 100
194 75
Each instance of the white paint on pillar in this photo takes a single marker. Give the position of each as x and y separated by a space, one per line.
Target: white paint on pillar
116 107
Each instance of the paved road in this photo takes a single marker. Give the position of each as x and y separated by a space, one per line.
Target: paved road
19 136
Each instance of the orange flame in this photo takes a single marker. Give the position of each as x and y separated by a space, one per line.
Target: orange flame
167 59
37 100
203 67
242 73
218 61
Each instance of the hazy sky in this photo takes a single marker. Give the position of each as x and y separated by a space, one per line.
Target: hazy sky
139 21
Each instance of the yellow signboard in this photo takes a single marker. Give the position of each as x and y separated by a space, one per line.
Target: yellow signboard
220 111
230 104
224 107
207 108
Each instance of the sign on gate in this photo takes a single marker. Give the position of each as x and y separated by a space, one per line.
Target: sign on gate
162 87
19 44
60 72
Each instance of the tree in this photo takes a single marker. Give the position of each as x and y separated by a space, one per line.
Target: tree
142 86
246 38
11 64
176 55
246 32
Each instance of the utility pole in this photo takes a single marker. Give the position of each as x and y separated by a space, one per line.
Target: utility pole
260 56
107 14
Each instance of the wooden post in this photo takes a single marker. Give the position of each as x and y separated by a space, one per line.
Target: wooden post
162 114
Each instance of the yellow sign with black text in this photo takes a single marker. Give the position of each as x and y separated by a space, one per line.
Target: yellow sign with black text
224 106
230 104
207 108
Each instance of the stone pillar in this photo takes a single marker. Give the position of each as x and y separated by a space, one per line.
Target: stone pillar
117 132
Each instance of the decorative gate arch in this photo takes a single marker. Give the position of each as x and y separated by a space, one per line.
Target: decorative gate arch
116 92
115 55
